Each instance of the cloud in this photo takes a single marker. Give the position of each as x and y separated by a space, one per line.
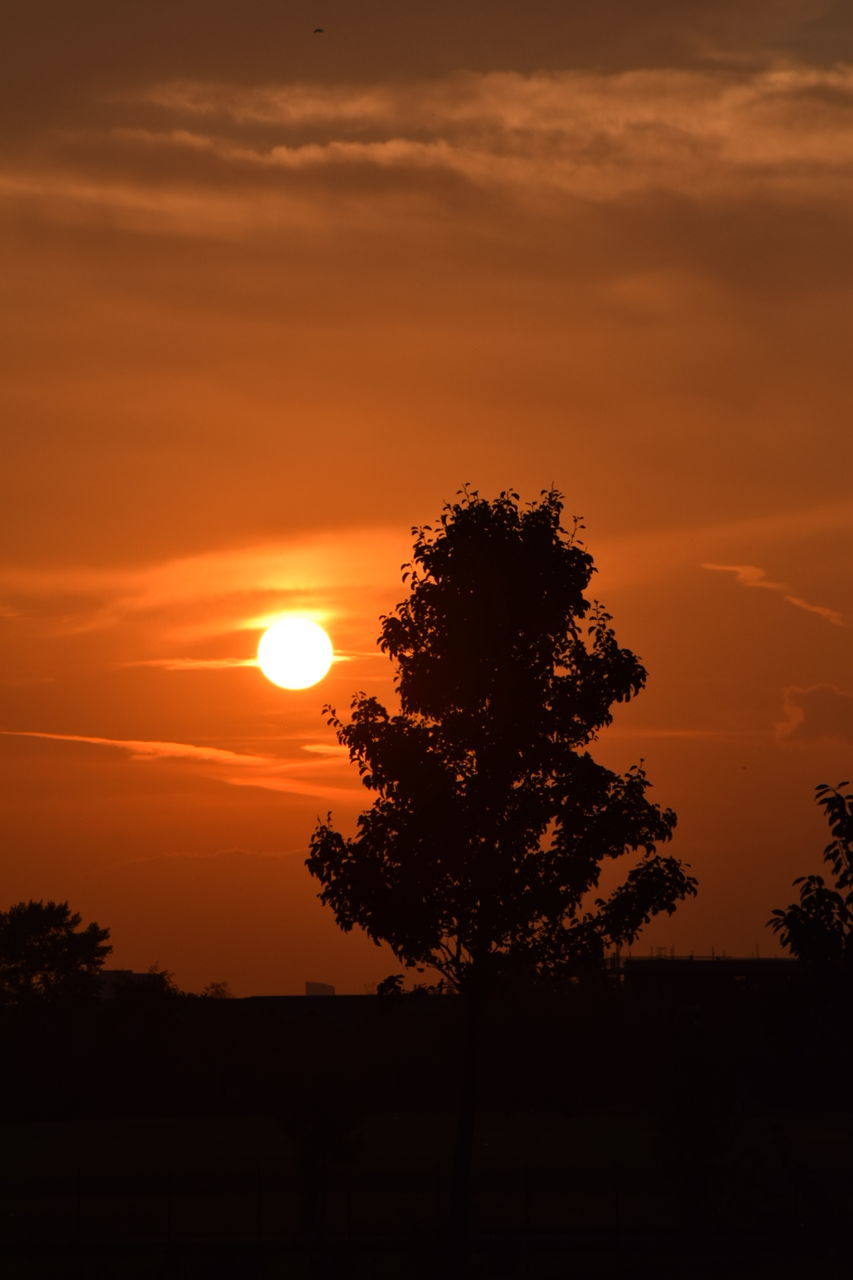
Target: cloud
312 573
750 575
656 119
648 555
237 769
145 749
227 664
192 664
818 713
696 735
533 137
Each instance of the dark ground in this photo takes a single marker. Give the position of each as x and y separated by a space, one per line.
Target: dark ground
656 1129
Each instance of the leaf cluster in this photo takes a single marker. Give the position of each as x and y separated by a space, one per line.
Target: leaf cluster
818 929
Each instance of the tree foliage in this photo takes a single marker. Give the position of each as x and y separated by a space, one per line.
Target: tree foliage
45 955
217 991
483 850
818 929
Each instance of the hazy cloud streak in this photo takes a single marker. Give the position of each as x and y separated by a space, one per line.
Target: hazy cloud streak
818 713
271 773
536 137
192 664
750 575
304 574
790 113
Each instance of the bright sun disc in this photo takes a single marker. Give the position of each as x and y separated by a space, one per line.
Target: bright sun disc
295 653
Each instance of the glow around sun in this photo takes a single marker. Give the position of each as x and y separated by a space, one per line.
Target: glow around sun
295 653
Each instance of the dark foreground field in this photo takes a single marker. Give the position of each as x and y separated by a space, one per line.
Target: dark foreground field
618 1132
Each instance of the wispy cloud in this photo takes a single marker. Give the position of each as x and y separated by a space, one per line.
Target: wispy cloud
698 734
147 749
227 664
818 713
655 554
192 664
241 589
611 132
236 768
533 137
750 575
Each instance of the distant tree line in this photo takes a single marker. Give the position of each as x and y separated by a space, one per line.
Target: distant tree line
47 958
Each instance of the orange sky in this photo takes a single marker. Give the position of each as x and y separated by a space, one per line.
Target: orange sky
270 298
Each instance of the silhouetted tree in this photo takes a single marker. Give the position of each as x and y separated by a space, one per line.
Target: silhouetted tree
482 851
217 991
818 929
166 984
45 955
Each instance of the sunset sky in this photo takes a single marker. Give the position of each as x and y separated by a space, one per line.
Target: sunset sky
271 297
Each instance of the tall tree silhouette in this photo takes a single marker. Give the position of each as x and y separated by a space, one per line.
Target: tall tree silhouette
45 955
818 929
483 849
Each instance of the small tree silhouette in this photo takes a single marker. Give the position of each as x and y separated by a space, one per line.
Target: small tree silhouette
818 930
44 955
486 842
217 991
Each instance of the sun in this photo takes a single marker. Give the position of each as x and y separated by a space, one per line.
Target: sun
295 653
